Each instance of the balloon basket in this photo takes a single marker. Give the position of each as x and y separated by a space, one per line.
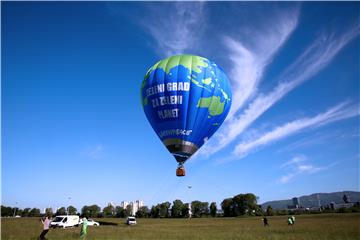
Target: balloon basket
180 171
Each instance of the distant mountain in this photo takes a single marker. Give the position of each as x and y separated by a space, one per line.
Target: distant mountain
313 199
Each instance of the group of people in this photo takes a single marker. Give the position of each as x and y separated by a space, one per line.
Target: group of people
290 221
46 225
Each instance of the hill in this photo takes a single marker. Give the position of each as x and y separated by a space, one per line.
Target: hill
313 199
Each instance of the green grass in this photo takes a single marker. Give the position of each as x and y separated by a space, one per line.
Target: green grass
316 227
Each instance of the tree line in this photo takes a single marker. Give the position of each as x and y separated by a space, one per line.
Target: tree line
239 205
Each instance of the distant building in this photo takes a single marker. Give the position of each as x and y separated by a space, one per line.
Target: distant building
296 202
124 204
111 204
136 206
335 206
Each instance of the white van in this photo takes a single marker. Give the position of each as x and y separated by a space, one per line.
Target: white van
130 220
65 221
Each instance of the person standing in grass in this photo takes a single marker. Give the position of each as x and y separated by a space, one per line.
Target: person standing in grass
266 222
290 221
83 229
46 225
293 219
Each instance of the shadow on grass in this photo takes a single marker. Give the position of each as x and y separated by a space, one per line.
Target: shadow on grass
107 223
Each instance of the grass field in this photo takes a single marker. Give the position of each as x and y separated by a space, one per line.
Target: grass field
316 227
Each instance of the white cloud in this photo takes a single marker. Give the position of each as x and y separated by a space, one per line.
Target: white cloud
179 31
249 52
313 60
96 151
336 113
297 166
320 138
286 178
294 160
312 140
249 63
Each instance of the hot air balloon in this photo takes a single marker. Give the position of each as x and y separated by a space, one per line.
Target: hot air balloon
185 98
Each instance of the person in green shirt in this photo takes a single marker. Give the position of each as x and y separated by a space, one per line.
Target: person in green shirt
83 229
290 221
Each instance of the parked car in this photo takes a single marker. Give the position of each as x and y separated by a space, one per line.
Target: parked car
91 222
130 221
65 221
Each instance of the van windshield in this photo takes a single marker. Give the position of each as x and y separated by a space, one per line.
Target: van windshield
58 219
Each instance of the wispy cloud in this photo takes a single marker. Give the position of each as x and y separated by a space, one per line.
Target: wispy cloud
248 54
179 31
336 113
299 165
249 63
320 138
314 59
294 160
95 152
308 141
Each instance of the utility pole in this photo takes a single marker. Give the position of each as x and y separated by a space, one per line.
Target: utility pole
190 213
15 208
67 210
319 204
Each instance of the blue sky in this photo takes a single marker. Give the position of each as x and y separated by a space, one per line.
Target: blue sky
73 126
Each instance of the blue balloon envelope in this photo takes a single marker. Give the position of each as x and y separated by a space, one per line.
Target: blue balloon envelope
185 98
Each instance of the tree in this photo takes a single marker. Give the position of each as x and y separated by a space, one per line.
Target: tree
18 212
72 210
85 210
176 209
61 211
35 212
196 208
128 210
109 211
164 209
6 211
213 209
95 210
244 204
26 212
160 210
199 209
269 211
185 210
154 212
48 212
204 209
120 212
142 212
259 211
227 207
91 211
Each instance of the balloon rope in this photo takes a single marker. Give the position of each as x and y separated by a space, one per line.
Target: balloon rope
165 181
179 180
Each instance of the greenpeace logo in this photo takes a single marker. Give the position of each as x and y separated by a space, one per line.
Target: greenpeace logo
182 132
